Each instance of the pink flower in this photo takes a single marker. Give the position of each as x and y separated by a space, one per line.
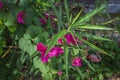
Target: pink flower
1 5
70 39
84 37
59 41
41 48
46 15
52 17
59 73
94 58
77 62
43 21
55 51
20 17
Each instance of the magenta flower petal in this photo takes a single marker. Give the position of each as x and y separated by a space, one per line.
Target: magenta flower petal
59 73
43 21
59 41
20 17
44 58
70 39
77 62
56 51
41 48
1 5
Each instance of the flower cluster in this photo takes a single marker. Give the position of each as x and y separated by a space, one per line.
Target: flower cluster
1 5
20 17
71 39
54 52
77 61
43 21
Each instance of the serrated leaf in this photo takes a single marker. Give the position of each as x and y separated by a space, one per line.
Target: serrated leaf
10 20
12 28
33 31
39 65
27 46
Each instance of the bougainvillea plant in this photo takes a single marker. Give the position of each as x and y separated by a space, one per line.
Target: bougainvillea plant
45 41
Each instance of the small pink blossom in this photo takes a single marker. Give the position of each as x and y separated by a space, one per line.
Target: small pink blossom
55 51
59 73
70 39
52 17
43 21
1 5
81 42
84 37
77 62
46 15
59 41
94 58
41 48
20 17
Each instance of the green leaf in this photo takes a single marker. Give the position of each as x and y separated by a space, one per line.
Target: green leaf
12 28
93 27
33 31
96 48
10 20
39 65
27 46
29 15
77 16
87 62
95 37
88 16
54 39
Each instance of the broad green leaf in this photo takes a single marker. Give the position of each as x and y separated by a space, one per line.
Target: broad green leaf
29 15
10 20
54 39
12 28
27 46
93 27
33 31
39 65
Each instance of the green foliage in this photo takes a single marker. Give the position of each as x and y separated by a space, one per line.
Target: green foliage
19 58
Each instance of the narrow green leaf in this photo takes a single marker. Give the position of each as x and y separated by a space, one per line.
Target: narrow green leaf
87 62
96 48
67 11
93 27
77 16
88 16
54 40
95 37
66 62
